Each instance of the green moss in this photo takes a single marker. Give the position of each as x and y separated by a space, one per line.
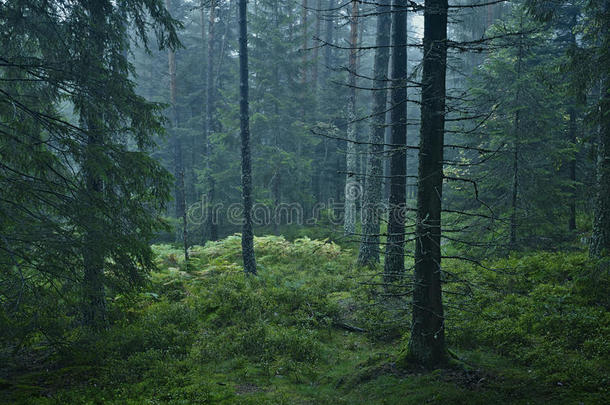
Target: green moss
209 335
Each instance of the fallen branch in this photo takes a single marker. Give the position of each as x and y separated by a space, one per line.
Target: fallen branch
348 327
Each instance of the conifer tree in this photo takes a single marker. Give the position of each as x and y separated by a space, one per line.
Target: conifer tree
247 237
394 252
371 207
427 341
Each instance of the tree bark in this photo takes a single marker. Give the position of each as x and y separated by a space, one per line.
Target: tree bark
177 142
600 238
573 196
316 48
211 233
387 152
247 237
352 187
371 207
516 150
305 40
515 186
184 223
330 188
394 252
277 199
572 139
173 120
427 343
328 50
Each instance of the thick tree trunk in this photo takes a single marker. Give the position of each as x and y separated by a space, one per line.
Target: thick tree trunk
352 187
371 207
247 237
394 252
427 343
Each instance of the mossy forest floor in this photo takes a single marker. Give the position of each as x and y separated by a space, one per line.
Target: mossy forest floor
313 329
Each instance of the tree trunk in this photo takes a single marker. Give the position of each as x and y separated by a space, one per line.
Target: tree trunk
387 152
247 237
573 196
515 187
177 144
394 252
600 238
211 233
328 191
318 172
352 186
277 200
427 343
339 190
371 207
316 48
173 118
304 50
184 223
572 139
516 150
329 36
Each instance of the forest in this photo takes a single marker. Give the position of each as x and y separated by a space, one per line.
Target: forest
304 202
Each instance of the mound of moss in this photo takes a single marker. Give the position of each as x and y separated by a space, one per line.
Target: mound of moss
312 328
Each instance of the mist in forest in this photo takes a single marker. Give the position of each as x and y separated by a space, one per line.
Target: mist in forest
315 201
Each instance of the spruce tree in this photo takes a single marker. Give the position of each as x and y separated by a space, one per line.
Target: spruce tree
371 206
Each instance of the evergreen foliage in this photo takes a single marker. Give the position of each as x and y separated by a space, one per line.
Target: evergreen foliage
138 136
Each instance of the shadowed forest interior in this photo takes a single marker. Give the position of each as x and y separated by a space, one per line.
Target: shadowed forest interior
304 201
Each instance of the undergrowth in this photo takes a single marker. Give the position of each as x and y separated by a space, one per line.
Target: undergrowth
313 329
